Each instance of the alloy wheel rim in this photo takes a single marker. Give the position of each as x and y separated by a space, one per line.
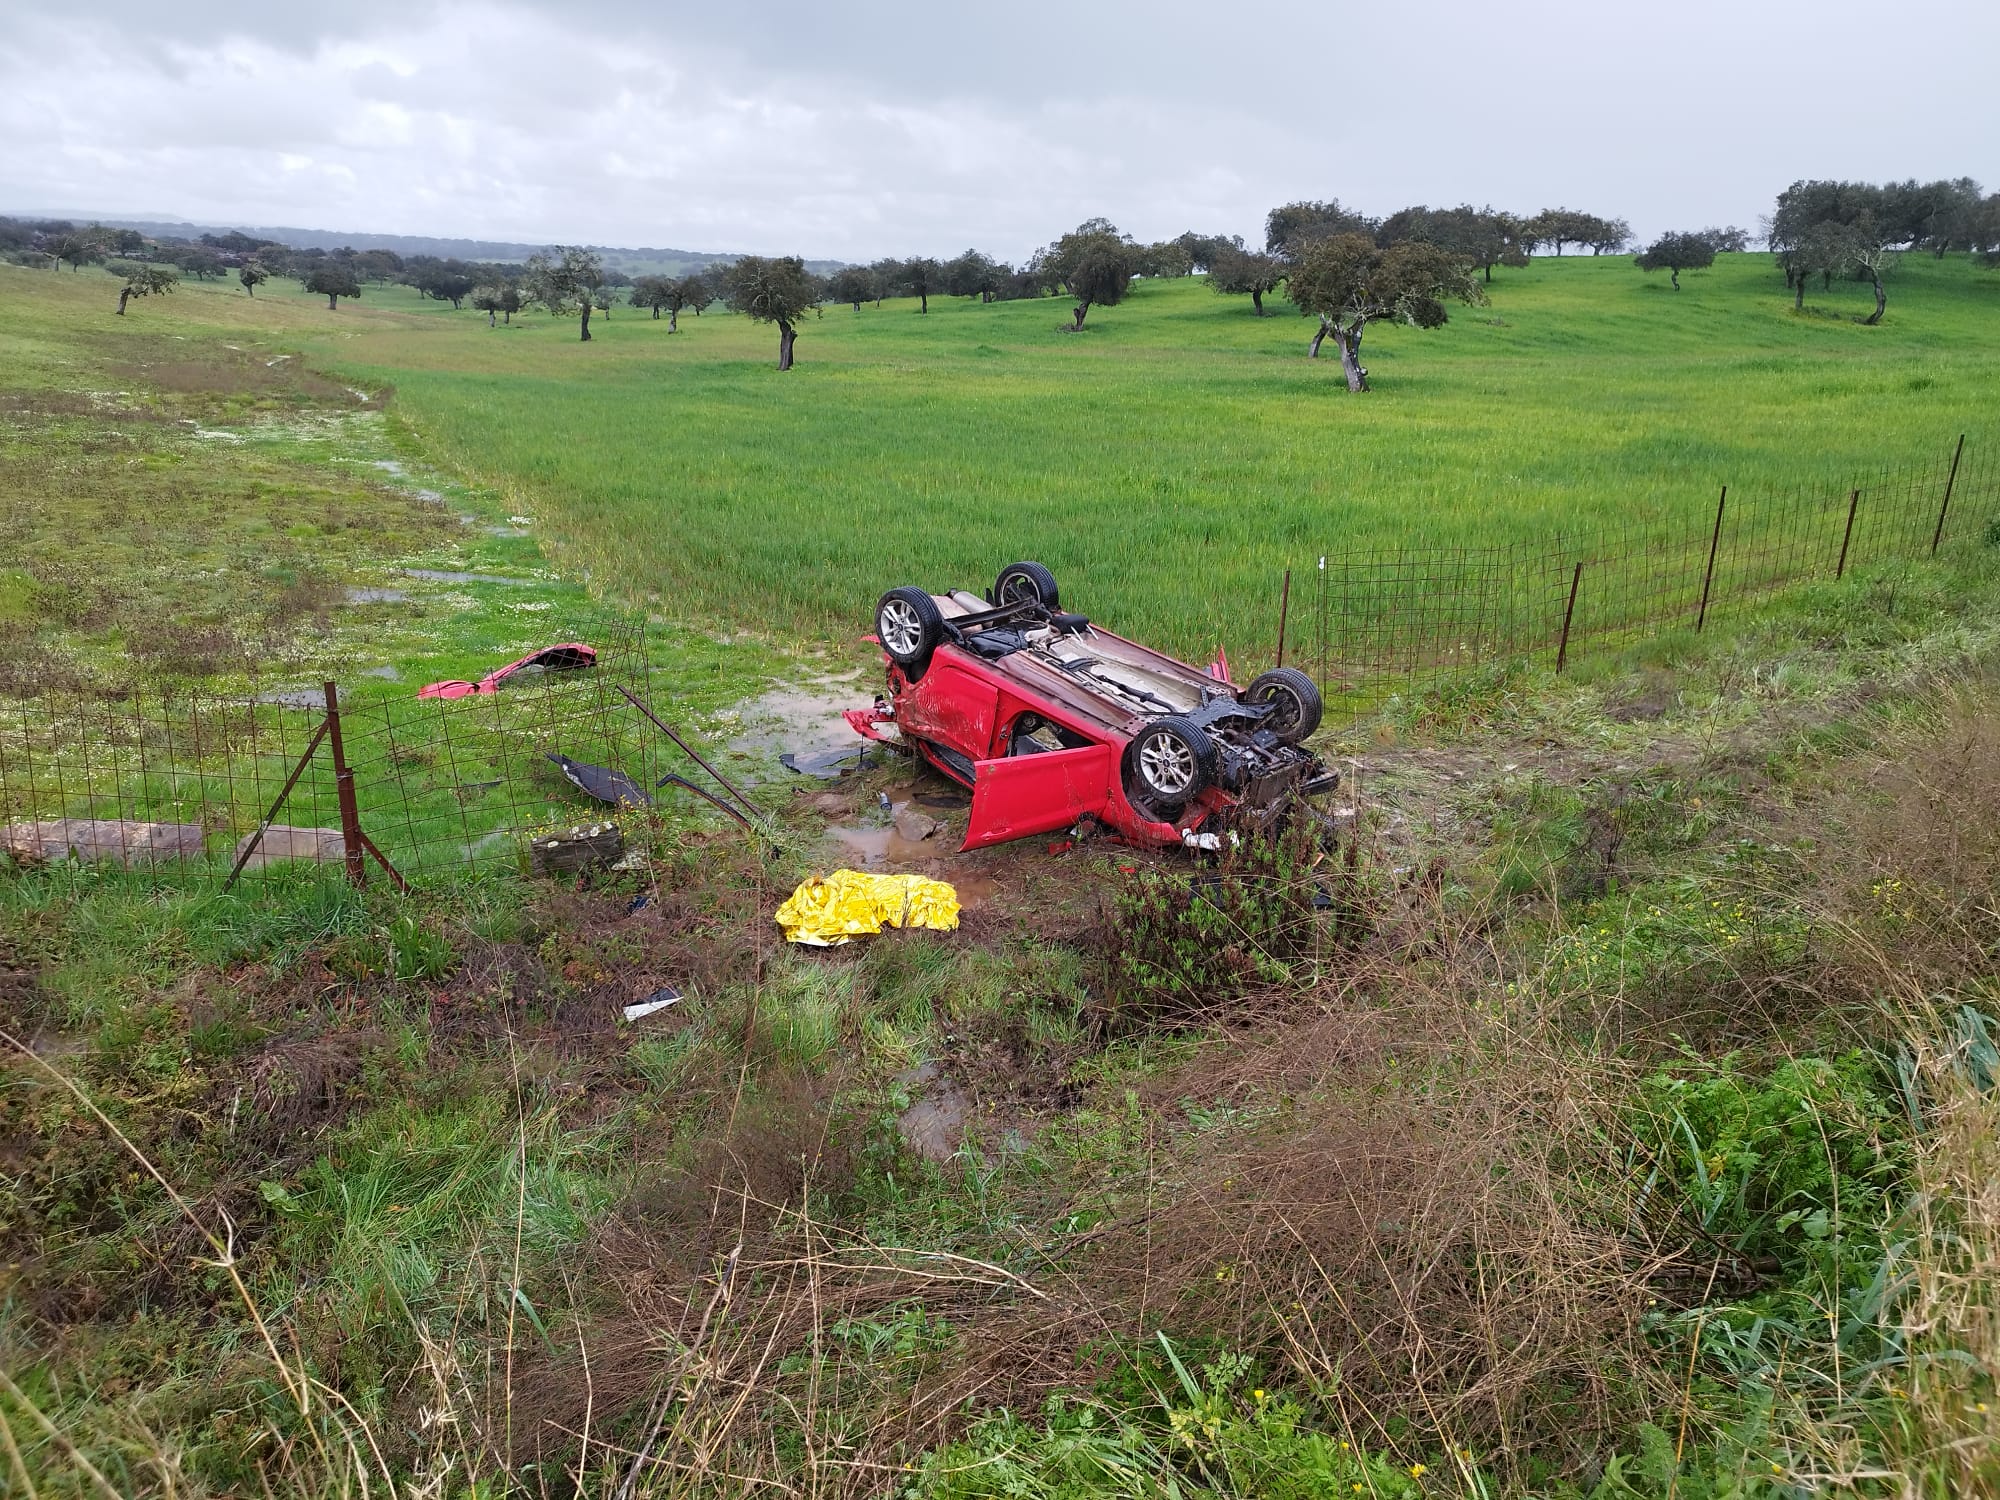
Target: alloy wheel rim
902 631
1168 764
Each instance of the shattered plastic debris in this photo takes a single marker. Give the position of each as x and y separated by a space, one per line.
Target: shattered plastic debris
660 999
851 903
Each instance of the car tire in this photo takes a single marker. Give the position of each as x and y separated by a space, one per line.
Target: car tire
1297 701
1170 762
1025 580
909 626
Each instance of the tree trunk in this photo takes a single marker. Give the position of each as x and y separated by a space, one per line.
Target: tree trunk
1319 338
124 294
923 302
1489 271
857 304
1674 272
656 312
492 316
1881 303
1348 341
1077 312
508 317
787 336
1257 301
585 338
332 302
673 319
1799 294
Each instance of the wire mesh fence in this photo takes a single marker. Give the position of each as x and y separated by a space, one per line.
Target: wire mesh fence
198 782
1390 625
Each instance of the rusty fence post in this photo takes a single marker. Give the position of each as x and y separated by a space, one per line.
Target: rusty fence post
1284 608
1853 504
1714 544
351 838
1951 479
1569 613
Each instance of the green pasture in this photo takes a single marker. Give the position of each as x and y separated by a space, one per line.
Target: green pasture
1175 457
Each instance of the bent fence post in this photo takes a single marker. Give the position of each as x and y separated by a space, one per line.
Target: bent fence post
251 844
352 840
1951 479
1853 504
1569 613
1714 543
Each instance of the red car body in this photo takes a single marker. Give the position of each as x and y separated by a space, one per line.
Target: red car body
1040 713
571 656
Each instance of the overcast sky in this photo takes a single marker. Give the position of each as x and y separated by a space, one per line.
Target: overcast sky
871 127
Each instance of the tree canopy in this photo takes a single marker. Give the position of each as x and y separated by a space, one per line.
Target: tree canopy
1095 263
144 281
564 279
1683 250
1568 226
497 297
1249 273
918 277
1348 281
332 280
773 289
252 276
1291 226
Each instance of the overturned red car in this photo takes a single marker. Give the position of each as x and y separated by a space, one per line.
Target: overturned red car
1052 720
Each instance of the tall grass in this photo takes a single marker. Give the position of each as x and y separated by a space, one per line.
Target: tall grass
1171 461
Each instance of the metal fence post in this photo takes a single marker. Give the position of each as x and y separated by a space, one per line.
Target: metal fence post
1853 504
351 839
1562 647
1950 480
1714 543
1284 608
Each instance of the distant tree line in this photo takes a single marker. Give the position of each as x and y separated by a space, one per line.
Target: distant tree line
1342 267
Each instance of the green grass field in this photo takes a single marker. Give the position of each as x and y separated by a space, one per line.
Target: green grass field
1170 462
1178 455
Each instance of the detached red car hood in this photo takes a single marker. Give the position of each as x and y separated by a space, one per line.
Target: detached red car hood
571 656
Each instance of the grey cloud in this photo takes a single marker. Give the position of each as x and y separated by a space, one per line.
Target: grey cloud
878 127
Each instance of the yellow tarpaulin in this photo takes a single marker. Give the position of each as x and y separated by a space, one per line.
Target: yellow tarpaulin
852 903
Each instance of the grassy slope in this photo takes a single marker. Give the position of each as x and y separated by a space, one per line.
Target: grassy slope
1177 439
434 1139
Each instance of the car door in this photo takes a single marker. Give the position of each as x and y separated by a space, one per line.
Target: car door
1017 796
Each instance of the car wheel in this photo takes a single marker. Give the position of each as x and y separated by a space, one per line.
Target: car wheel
1170 762
1025 581
1295 703
909 626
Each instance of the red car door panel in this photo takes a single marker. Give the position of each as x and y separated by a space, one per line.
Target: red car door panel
1028 794
954 705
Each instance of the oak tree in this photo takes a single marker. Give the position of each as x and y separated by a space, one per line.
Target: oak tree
853 285
918 277
498 297
1246 272
564 279
1348 281
1684 250
332 280
773 289
252 276
143 281
1291 226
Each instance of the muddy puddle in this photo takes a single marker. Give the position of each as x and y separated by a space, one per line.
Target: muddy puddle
450 575
934 1124
801 720
893 839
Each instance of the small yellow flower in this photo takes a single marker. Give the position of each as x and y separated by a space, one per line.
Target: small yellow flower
1256 1395
1343 1445
1357 1489
1416 1471
1776 1467
1981 1408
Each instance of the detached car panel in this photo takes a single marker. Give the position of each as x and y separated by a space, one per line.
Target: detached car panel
1051 720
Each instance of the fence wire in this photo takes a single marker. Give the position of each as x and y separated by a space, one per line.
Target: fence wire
174 780
1395 625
